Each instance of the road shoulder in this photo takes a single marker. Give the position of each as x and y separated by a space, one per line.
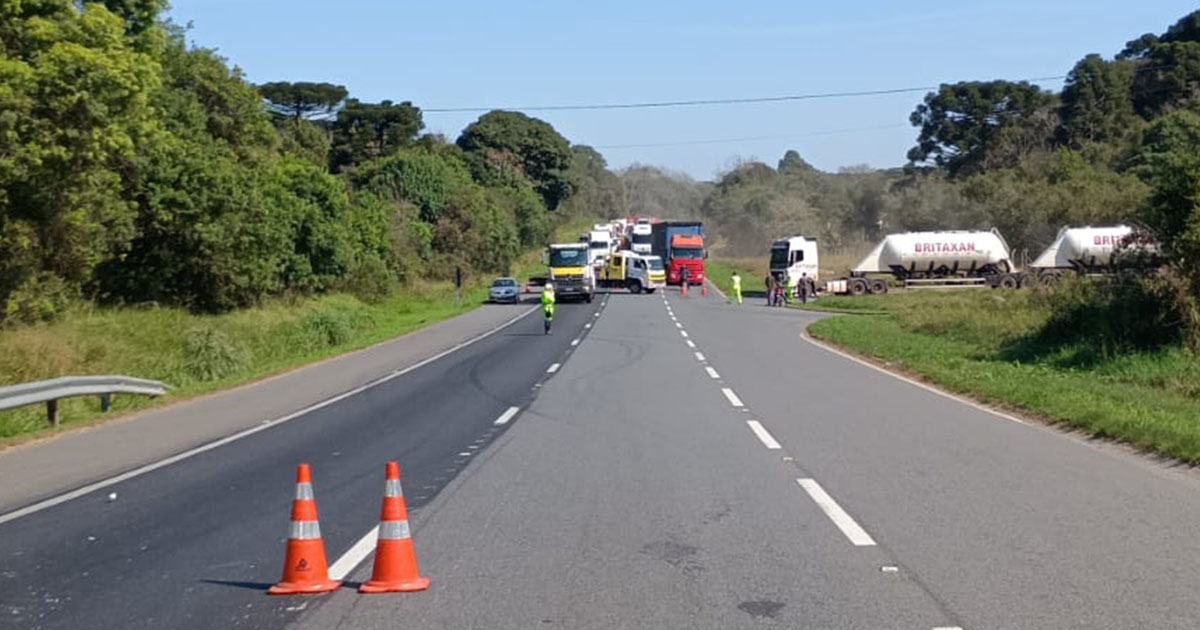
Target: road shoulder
40 469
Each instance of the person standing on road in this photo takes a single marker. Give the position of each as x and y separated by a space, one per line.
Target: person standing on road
684 276
548 304
737 287
770 282
803 288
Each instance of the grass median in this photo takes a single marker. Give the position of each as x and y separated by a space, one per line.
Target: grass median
981 343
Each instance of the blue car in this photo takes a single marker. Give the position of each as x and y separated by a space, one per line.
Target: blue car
504 290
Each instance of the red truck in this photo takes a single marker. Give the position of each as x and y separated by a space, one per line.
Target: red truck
680 244
687 251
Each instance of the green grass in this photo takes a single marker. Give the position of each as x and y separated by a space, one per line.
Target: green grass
752 270
968 341
198 354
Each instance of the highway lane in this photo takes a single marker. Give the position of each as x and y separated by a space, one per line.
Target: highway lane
633 494
194 544
1009 525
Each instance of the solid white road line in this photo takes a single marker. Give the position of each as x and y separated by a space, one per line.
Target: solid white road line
700 356
733 399
137 472
691 344
684 333
508 415
356 554
553 368
574 342
763 435
857 535
929 388
712 372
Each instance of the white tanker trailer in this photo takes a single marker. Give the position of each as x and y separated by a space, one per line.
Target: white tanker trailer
917 258
1090 251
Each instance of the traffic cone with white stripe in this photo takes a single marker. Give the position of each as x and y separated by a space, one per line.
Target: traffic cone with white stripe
304 569
395 561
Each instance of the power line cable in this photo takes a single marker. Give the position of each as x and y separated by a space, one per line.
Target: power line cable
809 134
734 101
711 101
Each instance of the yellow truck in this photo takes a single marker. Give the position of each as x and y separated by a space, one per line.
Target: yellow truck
633 271
572 275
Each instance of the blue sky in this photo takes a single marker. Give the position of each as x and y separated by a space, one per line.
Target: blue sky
514 53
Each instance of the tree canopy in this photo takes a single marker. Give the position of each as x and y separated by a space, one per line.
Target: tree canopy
303 100
543 155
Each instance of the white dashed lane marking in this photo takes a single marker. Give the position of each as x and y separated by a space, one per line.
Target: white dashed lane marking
508 415
553 368
733 398
763 435
857 535
712 372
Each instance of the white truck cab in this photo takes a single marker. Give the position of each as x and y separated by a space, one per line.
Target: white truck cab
795 256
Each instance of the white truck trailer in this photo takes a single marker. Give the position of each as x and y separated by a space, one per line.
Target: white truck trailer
1090 251
947 258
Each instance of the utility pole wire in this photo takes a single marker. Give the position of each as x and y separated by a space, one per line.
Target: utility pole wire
809 134
711 101
733 101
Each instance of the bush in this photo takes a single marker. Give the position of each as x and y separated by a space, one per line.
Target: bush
1108 316
40 298
209 354
369 280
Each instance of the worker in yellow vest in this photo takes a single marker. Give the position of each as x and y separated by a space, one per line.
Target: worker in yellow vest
737 287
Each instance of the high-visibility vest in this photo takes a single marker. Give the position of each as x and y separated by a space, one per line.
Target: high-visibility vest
547 297
737 283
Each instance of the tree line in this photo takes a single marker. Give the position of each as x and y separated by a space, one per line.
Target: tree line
137 169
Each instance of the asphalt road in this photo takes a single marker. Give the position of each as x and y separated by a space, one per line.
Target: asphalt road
194 544
689 463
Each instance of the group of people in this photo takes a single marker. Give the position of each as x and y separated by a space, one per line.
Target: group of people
779 290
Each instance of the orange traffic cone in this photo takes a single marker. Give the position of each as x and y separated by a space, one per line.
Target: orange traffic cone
704 289
304 569
395 562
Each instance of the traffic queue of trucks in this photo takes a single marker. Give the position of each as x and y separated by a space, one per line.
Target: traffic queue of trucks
637 254
966 258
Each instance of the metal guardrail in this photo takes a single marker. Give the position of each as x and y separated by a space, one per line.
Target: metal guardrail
55 389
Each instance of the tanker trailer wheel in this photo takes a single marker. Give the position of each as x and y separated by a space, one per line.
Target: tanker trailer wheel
1048 279
1008 281
1027 281
858 286
878 285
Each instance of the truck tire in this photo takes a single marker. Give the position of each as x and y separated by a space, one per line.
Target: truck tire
1028 280
588 298
878 286
858 286
635 286
1008 281
1048 279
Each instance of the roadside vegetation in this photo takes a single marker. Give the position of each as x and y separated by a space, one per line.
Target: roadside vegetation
198 353
163 218
1119 371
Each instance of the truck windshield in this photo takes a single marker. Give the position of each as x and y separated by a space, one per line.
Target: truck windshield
779 257
642 239
687 252
567 258
655 263
599 245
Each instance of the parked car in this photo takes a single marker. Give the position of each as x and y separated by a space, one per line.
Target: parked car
504 290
